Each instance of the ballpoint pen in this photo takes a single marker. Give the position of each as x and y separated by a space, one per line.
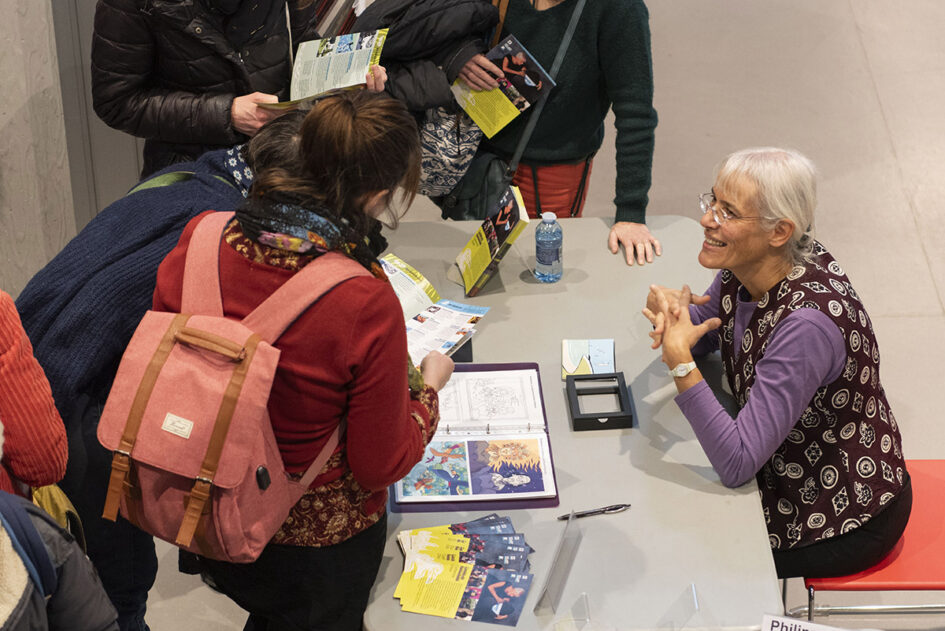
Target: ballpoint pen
606 510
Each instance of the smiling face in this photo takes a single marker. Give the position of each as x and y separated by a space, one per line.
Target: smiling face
740 242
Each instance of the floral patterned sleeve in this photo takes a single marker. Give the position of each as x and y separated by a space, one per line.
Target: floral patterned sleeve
425 410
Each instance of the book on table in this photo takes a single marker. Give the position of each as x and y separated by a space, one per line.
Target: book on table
327 66
477 570
587 357
433 323
491 447
522 83
479 259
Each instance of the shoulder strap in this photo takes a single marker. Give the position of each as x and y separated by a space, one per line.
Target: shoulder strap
503 6
165 179
201 293
28 543
282 308
555 66
271 318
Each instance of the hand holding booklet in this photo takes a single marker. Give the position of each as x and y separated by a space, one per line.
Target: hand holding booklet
326 66
522 83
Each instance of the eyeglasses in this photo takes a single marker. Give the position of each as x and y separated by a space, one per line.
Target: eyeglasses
709 203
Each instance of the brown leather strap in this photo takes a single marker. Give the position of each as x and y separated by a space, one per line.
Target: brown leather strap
211 342
200 492
116 483
199 495
120 463
201 290
503 9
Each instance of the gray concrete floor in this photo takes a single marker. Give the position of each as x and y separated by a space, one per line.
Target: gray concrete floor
855 85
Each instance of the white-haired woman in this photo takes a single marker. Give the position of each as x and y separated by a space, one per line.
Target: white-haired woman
799 354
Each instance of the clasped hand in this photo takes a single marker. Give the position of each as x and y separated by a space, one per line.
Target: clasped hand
668 311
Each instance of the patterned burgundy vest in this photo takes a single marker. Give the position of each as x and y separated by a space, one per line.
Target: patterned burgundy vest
842 463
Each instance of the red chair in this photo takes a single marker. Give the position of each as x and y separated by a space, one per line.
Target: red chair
917 562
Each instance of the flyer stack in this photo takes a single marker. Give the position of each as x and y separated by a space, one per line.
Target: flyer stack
477 570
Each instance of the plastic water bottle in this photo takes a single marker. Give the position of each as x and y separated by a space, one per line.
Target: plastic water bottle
548 237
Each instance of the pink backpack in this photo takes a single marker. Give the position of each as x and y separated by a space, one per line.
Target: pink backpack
195 458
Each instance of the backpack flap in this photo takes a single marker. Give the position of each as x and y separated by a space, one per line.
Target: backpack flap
191 372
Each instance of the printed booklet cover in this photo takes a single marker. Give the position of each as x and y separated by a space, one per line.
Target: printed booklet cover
522 84
479 259
477 570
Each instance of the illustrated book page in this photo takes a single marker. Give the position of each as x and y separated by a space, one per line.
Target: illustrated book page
491 443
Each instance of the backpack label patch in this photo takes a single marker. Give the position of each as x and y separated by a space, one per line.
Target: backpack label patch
177 425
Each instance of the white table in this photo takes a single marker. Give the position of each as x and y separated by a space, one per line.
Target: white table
685 528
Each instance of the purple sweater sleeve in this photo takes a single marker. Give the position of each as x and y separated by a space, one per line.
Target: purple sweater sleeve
700 313
805 352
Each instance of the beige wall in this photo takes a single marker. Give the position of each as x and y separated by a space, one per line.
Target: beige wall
36 214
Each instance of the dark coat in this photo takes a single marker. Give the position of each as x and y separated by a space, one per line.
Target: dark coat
429 42
164 71
78 602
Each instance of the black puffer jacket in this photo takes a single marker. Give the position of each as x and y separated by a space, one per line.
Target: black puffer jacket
164 71
428 44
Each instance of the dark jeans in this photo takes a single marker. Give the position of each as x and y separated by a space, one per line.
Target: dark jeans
857 550
296 587
123 555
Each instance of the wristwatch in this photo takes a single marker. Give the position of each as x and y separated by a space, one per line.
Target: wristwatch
681 370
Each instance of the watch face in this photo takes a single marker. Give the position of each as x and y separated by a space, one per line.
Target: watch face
681 370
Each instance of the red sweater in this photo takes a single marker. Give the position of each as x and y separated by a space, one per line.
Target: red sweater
345 354
34 438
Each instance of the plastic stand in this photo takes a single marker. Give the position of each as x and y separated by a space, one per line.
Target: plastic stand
549 597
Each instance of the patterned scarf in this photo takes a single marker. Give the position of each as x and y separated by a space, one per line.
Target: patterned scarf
289 226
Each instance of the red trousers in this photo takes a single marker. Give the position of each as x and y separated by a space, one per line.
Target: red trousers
562 188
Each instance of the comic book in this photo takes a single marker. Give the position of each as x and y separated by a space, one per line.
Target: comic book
327 66
491 444
476 570
522 83
479 259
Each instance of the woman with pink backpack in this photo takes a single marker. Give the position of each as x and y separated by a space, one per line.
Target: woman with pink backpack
344 359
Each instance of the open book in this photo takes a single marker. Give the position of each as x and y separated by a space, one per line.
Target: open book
326 66
433 324
480 257
522 83
490 446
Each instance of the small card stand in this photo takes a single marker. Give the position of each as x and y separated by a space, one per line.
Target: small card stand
599 401
550 595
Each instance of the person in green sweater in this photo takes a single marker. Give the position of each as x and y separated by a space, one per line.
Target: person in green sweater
607 65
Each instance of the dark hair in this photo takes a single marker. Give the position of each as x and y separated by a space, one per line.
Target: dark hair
276 144
353 144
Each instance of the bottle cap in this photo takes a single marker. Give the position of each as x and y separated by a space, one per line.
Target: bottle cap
548 217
